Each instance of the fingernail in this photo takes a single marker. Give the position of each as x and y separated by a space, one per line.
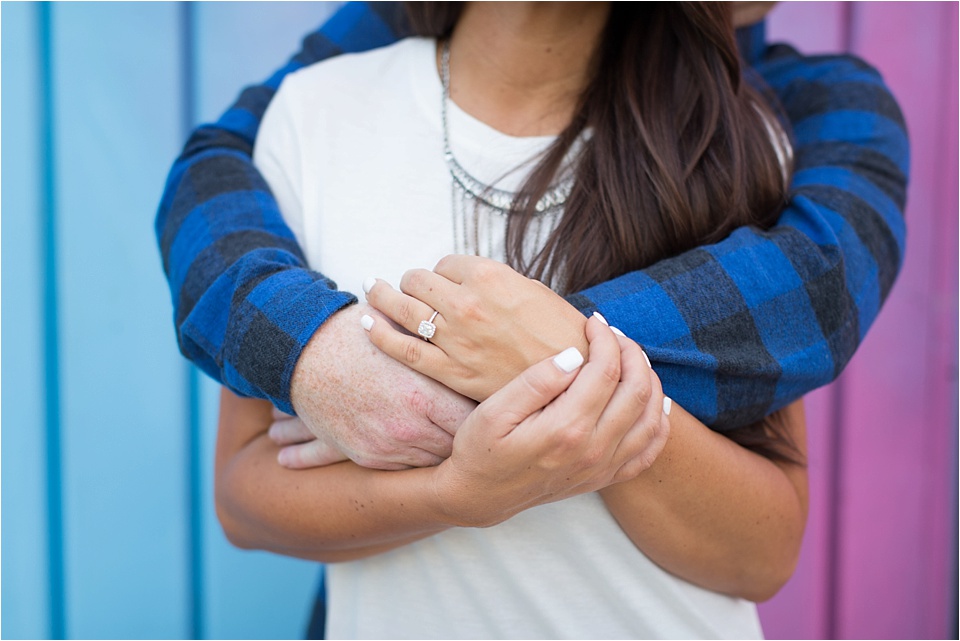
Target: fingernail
646 358
368 284
617 332
283 458
366 322
667 405
569 359
600 318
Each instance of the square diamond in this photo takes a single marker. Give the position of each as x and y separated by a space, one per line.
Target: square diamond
427 329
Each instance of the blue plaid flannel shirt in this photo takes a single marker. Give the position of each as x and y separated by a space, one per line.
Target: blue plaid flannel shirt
736 329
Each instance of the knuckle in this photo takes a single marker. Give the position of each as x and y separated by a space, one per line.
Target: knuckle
466 308
642 390
611 371
412 351
571 440
412 280
472 310
538 384
491 414
374 462
404 312
630 470
486 272
422 405
484 414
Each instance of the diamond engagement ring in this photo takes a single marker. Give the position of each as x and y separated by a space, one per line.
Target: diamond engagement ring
427 329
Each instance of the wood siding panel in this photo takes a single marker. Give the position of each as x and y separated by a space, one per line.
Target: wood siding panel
246 594
26 577
117 125
899 425
90 351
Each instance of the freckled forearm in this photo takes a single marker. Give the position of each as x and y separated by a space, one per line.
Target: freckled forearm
716 514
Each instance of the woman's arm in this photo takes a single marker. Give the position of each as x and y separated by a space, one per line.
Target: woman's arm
709 510
309 514
557 430
715 513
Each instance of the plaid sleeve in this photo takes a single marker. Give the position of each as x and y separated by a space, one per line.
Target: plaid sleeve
743 327
244 303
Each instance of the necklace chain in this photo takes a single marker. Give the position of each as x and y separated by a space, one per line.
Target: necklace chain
498 199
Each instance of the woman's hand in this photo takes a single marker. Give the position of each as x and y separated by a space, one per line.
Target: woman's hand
554 432
492 324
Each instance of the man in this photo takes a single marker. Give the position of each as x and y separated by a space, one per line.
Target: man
251 315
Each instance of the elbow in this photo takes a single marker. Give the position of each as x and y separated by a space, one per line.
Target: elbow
767 586
770 573
230 513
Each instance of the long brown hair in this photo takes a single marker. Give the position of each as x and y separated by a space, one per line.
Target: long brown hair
678 155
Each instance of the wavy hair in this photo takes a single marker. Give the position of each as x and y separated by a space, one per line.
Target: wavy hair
680 152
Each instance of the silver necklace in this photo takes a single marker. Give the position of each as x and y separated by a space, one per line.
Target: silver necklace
473 189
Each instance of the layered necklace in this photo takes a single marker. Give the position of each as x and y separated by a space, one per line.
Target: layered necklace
480 210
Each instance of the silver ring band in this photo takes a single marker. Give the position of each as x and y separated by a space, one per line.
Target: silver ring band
427 329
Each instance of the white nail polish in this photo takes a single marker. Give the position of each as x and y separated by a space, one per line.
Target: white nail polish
569 359
600 318
667 405
368 284
646 358
617 332
366 322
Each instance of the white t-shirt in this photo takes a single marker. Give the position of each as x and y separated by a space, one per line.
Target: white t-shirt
352 149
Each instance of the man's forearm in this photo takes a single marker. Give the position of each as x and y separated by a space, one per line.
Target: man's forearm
245 304
741 328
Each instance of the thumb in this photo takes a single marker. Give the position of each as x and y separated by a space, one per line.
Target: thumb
534 388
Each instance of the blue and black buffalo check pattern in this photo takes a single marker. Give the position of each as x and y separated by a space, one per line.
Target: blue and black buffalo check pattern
736 329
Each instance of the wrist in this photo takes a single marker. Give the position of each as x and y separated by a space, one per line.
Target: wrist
305 381
458 498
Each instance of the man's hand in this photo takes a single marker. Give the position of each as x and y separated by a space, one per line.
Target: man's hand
377 412
302 448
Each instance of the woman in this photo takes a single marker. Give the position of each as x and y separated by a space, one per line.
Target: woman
519 75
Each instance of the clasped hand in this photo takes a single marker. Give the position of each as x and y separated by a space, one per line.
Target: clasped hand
550 434
494 326
493 323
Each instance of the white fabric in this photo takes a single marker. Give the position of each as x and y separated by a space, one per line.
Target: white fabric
352 148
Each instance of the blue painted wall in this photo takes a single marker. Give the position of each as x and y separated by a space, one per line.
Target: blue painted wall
108 434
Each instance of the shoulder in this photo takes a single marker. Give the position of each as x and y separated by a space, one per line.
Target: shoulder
782 64
808 85
357 75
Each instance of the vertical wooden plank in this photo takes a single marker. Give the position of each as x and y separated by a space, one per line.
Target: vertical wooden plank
246 594
26 606
812 27
801 610
898 425
241 43
117 127
804 609
947 304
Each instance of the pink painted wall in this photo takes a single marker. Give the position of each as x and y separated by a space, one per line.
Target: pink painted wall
880 554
